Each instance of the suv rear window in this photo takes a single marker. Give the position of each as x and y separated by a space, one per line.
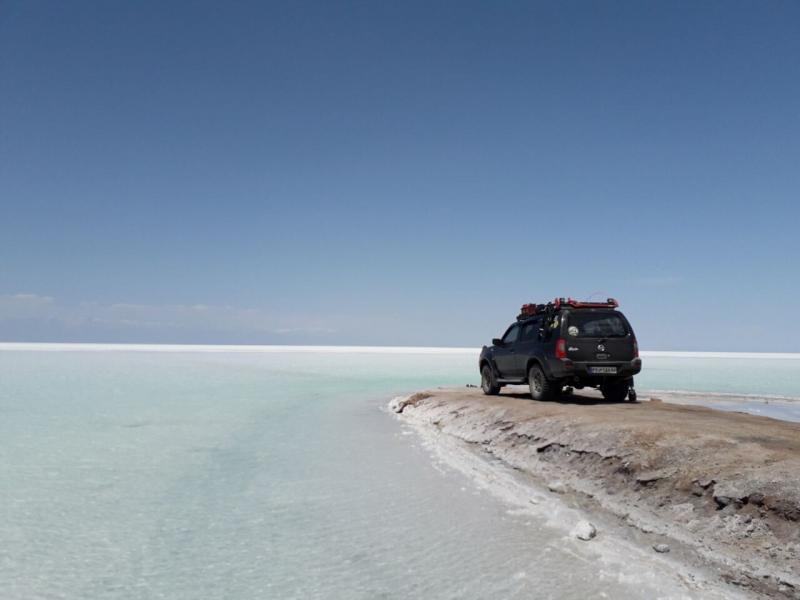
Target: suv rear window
591 324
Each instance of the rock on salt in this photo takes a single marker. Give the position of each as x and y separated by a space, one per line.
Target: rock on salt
584 531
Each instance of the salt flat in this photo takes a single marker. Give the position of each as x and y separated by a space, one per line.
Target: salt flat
138 472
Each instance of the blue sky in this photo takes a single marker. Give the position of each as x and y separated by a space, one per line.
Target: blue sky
397 173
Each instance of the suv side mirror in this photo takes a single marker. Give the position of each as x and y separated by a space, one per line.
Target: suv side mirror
497 342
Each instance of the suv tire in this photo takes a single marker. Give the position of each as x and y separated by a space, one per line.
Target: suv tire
541 387
616 391
488 382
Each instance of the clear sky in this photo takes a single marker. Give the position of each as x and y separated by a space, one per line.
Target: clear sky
398 173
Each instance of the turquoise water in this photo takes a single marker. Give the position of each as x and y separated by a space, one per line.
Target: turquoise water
276 475
749 374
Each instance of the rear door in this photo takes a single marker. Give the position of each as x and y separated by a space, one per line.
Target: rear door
597 336
505 355
526 346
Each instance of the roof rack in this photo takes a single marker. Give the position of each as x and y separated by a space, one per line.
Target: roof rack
531 310
609 303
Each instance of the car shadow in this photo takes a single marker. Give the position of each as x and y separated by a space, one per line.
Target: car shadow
580 398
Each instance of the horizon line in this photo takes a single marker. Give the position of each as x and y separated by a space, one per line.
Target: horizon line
333 349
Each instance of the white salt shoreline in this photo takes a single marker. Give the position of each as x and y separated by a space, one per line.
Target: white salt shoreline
267 348
637 463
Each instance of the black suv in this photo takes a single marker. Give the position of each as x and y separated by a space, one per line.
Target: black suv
565 343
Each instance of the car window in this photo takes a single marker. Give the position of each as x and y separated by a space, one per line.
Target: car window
511 335
590 324
530 330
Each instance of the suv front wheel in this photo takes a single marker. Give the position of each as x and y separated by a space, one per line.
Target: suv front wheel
488 382
541 387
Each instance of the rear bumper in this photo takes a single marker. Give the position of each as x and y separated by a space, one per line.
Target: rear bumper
565 369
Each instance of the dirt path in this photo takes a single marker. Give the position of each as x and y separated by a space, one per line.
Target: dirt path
724 485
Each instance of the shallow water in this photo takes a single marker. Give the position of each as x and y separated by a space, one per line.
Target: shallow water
269 475
734 374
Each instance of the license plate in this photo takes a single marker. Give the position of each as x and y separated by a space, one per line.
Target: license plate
603 370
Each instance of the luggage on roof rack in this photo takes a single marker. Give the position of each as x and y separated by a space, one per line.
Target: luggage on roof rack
531 310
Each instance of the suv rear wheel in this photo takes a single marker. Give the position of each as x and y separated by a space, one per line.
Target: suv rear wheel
616 391
488 382
541 387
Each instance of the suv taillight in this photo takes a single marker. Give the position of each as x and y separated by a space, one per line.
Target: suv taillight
635 348
561 348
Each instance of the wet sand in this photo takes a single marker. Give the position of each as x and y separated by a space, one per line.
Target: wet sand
720 489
